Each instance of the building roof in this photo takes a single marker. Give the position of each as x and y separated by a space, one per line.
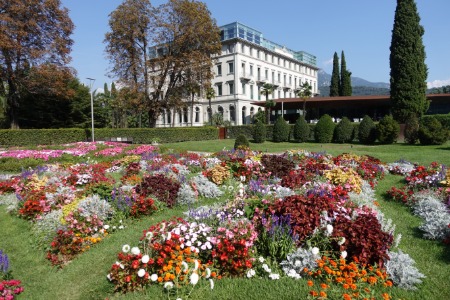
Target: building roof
373 100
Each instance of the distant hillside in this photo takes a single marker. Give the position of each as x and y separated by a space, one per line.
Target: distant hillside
360 86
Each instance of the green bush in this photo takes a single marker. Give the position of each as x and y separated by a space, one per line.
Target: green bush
241 141
343 133
301 130
367 133
280 130
324 130
387 130
412 130
431 132
259 132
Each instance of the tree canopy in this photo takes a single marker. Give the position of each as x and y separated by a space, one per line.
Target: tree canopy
335 78
163 51
407 62
35 47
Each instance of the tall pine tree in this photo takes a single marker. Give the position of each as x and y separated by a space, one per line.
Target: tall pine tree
335 81
346 81
407 61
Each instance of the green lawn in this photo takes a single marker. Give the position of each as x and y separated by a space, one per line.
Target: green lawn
85 277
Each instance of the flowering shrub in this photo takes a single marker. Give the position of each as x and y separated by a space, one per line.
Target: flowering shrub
143 206
218 174
337 279
345 177
402 194
10 288
233 247
422 177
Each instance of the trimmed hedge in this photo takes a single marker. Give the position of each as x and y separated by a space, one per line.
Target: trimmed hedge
234 131
28 137
443 119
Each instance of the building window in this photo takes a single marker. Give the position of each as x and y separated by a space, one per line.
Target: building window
284 79
258 53
259 92
169 119
259 73
231 86
219 89
266 74
273 77
185 115
251 70
230 67
220 110
243 88
279 77
242 48
251 92
266 57
197 115
219 70
244 111
279 61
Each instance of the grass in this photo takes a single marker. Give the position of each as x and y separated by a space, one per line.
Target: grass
85 277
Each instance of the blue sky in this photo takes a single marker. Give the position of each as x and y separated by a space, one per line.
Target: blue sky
362 29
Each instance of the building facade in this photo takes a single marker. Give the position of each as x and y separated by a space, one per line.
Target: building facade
246 63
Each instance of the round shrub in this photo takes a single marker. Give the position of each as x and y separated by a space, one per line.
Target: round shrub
301 130
412 129
343 133
367 133
280 130
387 130
241 141
323 132
431 132
259 132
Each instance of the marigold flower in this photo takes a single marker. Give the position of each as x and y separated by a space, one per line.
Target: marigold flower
323 294
310 283
323 286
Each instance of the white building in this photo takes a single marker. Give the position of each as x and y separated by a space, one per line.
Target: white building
247 61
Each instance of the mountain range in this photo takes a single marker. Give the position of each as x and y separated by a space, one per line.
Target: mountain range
360 86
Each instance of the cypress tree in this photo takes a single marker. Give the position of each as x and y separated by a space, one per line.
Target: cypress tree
407 62
346 81
105 89
335 81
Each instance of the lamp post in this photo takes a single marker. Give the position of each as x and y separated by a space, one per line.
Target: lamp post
91 83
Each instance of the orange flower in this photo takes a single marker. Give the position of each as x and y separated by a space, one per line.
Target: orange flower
372 280
160 279
347 297
323 294
310 283
323 286
386 296
313 293
353 286
345 286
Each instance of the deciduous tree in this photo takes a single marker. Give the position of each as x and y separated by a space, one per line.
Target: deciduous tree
35 45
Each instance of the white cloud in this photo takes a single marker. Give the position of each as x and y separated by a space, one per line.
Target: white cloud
328 63
438 83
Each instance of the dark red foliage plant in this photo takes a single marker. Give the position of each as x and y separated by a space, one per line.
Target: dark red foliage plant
364 238
160 186
277 165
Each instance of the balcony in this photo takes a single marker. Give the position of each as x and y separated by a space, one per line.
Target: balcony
246 76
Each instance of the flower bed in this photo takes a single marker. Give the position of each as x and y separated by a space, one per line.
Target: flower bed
298 214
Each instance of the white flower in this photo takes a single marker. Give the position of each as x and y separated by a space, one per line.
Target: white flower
208 272
194 278
261 259
125 248
121 227
106 227
266 268
196 265
329 229
149 235
169 284
344 254
145 259
109 276
185 266
141 272
211 283
274 276
315 251
341 241
169 235
154 277
251 273
135 251
293 274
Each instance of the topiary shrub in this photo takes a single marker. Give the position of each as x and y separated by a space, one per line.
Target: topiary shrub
241 141
301 130
259 132
324 130
412 130
431 132
367 133
343 133
280 130
387 130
